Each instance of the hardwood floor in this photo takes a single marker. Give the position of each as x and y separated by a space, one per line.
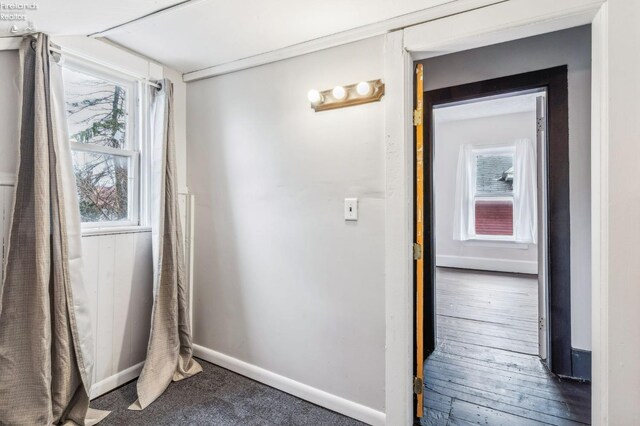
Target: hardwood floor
485 369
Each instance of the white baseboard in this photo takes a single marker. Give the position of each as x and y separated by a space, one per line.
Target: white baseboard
486 264
112 382
306 392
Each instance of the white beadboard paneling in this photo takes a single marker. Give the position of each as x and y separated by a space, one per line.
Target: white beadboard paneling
118 278
139 318
90 258
105 312
124 261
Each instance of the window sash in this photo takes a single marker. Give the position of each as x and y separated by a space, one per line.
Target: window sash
136 132
484 196
133 187
472 218
131 89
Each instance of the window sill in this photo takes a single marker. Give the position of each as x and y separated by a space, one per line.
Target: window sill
113 230
479 242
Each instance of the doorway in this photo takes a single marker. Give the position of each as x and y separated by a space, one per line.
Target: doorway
496 240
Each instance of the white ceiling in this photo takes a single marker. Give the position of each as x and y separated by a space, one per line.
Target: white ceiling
486 108
204 33
81 17
197 34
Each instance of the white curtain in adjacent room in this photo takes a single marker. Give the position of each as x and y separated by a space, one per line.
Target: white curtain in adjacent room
525 192
464 195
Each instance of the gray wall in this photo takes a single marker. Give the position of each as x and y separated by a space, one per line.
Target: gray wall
572 48
488 255
281 281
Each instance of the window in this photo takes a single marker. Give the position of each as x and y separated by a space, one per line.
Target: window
496 193
493 197
101 116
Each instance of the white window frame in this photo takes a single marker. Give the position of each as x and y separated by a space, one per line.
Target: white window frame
509 149
134 150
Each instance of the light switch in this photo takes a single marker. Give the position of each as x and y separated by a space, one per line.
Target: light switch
350 209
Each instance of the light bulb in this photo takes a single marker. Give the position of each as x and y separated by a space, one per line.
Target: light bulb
314 96
363 88
339 93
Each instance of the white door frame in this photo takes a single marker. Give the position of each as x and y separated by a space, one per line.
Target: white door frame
511 20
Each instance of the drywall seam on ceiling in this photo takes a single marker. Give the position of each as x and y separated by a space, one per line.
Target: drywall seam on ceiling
441 11
155 13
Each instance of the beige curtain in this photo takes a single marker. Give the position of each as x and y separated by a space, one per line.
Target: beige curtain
169 354
46 345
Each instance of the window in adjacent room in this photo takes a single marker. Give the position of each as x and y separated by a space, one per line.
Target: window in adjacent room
493 201
103 128
496 193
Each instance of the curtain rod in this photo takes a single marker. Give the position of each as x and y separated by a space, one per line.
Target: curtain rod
57 49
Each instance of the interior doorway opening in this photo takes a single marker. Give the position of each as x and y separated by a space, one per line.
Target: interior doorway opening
496 310
489 175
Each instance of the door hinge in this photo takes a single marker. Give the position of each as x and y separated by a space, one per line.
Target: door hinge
417 251
541 322
417 117
418 384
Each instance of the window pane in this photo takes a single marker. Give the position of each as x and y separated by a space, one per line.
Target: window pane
494 217
494 174
102 181
96 109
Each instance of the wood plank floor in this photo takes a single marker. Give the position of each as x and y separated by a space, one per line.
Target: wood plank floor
485 369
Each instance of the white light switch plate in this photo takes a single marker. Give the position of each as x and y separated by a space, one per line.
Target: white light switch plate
350 209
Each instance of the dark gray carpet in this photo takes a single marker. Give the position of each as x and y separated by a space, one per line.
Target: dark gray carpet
217 397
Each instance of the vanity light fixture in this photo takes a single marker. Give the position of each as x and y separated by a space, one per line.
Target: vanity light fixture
339 93
314 97
344 96
363 88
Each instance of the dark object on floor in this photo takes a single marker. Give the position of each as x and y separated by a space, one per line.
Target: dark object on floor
217 397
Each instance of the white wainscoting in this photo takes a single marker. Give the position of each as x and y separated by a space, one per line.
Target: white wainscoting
118 275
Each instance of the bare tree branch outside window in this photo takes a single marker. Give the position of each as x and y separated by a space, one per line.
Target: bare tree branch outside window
97 115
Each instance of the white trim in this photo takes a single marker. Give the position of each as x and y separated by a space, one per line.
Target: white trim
10 43
113 57
110 230
112 382
438 11
306 392
487 264
99 149
600 216
70 54
191 210
499 23
398 225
